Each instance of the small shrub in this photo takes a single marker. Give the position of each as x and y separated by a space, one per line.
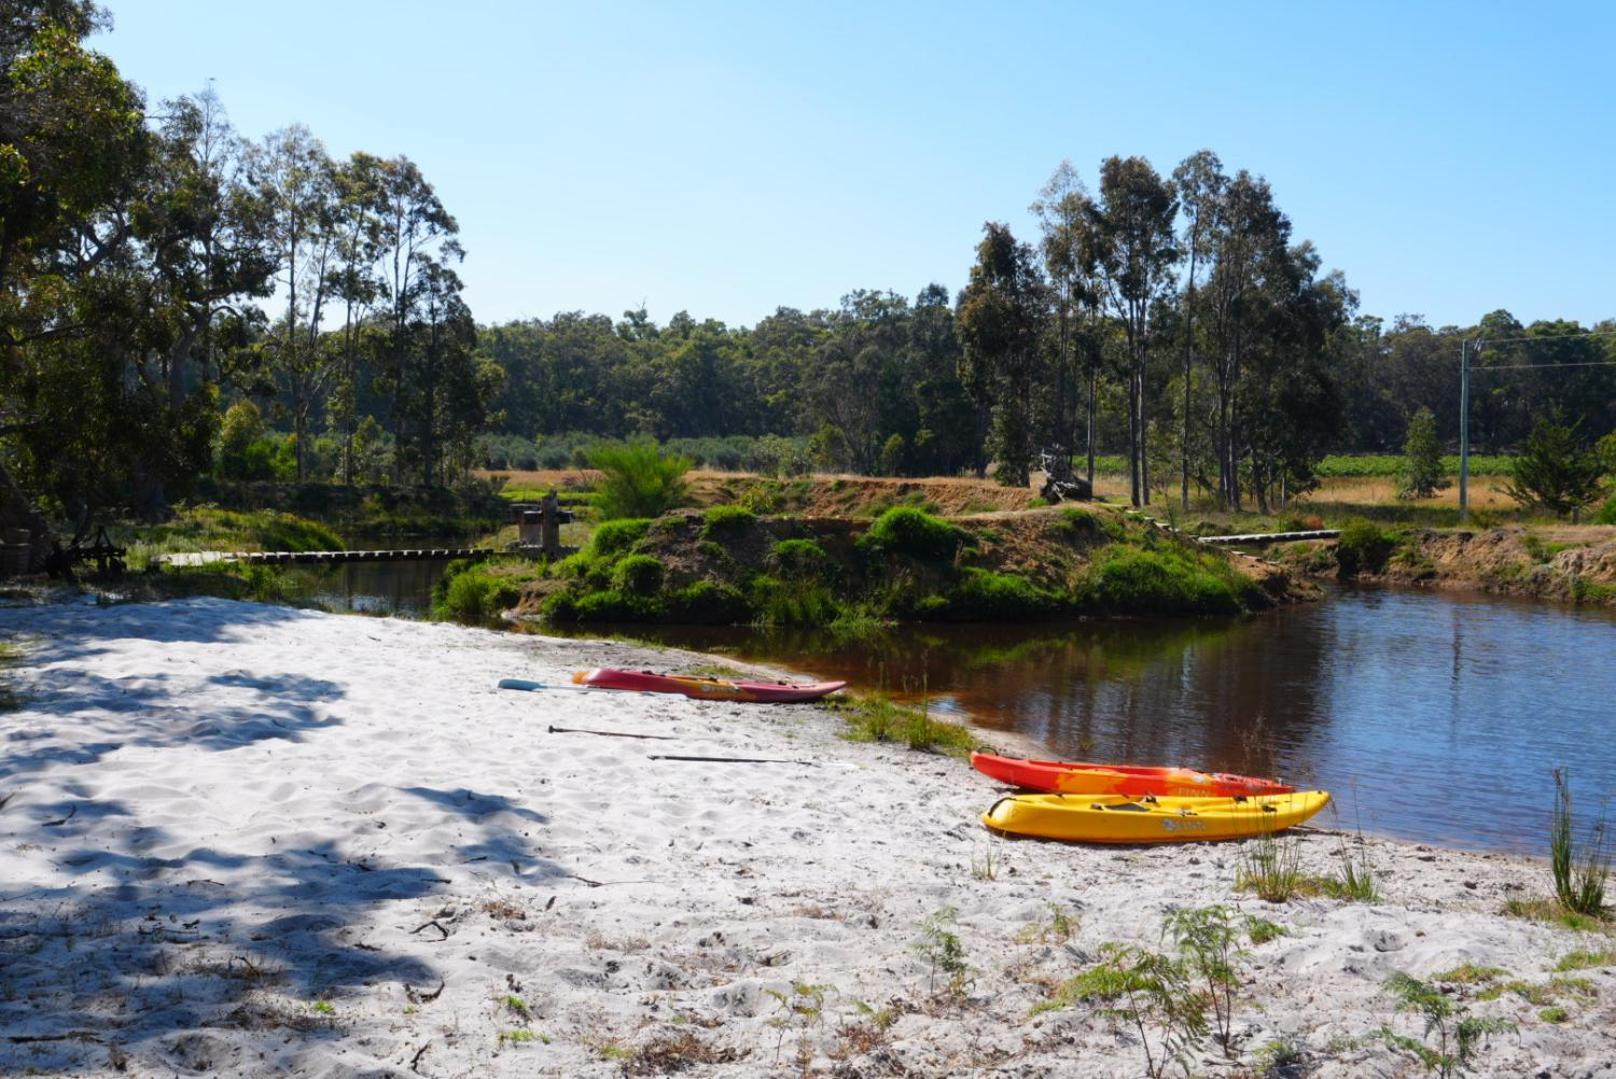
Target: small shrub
1458 1034
1260 930
638 479
471 595
1205 938
1362 548
617 536
1163 581
984 596
906 530
726 522
709 603
1271 866
801 558
1356 880
940 947
638 574
1584 960
1579 888
1077 522
790 603
1149 990
1470 974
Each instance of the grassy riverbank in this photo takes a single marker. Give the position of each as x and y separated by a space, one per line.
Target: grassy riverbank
728 564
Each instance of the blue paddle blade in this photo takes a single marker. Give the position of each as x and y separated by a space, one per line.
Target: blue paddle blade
520 683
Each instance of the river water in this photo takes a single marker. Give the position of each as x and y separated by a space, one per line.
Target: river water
1437 717
1432 716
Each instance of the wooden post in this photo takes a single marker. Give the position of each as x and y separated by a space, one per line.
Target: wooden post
550 525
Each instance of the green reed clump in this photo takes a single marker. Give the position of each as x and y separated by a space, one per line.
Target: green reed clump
1579 886
1271 866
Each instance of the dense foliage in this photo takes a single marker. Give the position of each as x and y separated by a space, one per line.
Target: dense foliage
177 300
169 291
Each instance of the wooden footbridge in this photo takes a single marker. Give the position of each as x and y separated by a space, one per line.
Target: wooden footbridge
1272 537
330 558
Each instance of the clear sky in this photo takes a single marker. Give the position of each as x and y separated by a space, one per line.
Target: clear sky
1450 158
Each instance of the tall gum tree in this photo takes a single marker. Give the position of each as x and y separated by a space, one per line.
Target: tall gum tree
1199 182
1001 318
1136 256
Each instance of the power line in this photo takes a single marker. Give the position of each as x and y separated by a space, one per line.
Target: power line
1539 366
1544 337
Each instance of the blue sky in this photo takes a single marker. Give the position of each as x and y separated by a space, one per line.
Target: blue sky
1450 158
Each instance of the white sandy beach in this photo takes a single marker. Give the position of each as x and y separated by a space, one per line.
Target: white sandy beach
251 840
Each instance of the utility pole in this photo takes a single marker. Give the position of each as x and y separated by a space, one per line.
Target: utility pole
1464 430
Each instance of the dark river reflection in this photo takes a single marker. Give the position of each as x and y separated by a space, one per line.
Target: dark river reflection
1436 717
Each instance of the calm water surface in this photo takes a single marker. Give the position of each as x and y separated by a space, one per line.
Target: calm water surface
1435 717
1432 716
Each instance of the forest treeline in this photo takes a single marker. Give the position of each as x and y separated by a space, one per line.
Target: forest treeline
168 289
178 302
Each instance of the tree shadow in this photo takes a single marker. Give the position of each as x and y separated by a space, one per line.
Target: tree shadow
185 958
189 945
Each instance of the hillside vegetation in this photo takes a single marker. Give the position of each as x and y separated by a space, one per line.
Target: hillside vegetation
728 564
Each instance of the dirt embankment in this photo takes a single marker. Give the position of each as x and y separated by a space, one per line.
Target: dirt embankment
1573 564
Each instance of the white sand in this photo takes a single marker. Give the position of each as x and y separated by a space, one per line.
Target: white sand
246 840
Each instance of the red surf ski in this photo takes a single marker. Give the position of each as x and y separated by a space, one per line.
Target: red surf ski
710 689
1076 777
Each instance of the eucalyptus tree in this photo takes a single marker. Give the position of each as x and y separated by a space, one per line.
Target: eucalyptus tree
1249 247
1199 181
356 281
296 182
1002 312
1068 217
1288 403
1135 255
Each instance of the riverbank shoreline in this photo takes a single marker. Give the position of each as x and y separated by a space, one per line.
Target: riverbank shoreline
243 838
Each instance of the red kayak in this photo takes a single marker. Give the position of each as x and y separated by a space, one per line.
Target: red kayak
709 689
1073 777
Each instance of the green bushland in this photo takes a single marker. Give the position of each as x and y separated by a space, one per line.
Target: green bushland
1080 523
709 603
1164 580
726 522
907 565
984 596
1391 465
908 530
801 558
769 454
226 580
617 536
777 602
1606 514
474 593
638 575
1363 547
638 479
209 528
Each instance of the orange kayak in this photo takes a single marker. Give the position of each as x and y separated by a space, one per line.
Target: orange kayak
1074 777
707 689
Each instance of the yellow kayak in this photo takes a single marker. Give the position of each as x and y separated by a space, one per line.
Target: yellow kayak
1161 819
